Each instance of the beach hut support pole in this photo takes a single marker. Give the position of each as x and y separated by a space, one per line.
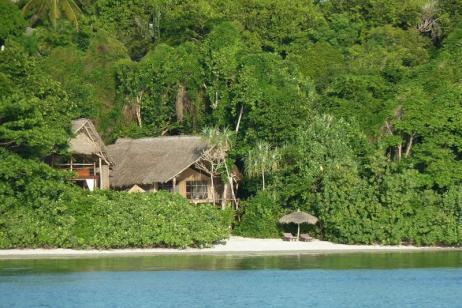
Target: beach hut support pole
100 174
298 232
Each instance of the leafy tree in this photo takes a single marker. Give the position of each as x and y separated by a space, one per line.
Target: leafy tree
326 146
362 98
130 22
34 111
275 96
25 130
260 216
425 122
320 62
168 94
11 21
223 49
88 76
278 25
373 13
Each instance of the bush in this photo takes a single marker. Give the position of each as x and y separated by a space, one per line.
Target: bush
11 21
394 210
260 218
162 219
113 220
39 208
32 211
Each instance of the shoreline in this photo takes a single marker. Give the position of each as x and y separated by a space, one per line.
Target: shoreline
235 246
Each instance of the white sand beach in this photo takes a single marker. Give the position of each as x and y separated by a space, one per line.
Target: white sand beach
233 246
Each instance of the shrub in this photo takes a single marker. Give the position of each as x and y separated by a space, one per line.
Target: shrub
11 21
118 219
260 218
38 208
113 220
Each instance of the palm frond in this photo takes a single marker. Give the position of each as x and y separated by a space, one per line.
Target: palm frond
55 12
29 5
261 159
53 9
70 13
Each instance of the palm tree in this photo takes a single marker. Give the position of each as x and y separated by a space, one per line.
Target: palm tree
261 160
54 9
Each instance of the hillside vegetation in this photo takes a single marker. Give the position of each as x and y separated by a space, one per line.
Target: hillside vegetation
357 104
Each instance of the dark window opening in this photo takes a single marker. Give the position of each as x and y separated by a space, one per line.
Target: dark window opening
197 190
166 186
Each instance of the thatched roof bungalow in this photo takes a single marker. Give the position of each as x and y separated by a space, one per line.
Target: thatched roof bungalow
89 157
162 163
87 141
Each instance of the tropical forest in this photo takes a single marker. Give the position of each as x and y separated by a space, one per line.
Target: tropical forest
349 109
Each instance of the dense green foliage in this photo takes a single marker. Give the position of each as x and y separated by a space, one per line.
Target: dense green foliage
39 208
147 220
11 21
361 98
261 214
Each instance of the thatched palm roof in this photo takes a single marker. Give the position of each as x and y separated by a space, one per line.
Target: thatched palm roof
298 218
150 160
87 141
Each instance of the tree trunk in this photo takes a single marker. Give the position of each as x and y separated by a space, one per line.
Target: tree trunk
179 103
138 114
212 185
388 128
230 181
400 150
409 145
233 195
132 110
239 118
223 198
263 179
139 97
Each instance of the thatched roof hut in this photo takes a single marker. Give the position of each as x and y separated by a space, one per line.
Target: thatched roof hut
298 218
87 141
153 160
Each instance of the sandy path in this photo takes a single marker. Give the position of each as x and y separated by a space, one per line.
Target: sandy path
235 245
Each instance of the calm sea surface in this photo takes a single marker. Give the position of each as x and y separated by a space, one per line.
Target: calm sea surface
429 279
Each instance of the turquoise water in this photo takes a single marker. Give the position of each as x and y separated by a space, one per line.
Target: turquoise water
381 280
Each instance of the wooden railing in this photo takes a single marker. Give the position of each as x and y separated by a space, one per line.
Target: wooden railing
82 170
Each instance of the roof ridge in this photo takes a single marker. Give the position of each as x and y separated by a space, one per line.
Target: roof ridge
119 140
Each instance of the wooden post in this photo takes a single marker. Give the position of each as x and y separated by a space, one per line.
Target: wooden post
174 184
94 176
100 174
71 162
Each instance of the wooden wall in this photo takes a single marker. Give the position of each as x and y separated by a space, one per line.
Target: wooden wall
190 174
104 174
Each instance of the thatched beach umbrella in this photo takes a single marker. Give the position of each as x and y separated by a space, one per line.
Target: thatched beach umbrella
298 218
